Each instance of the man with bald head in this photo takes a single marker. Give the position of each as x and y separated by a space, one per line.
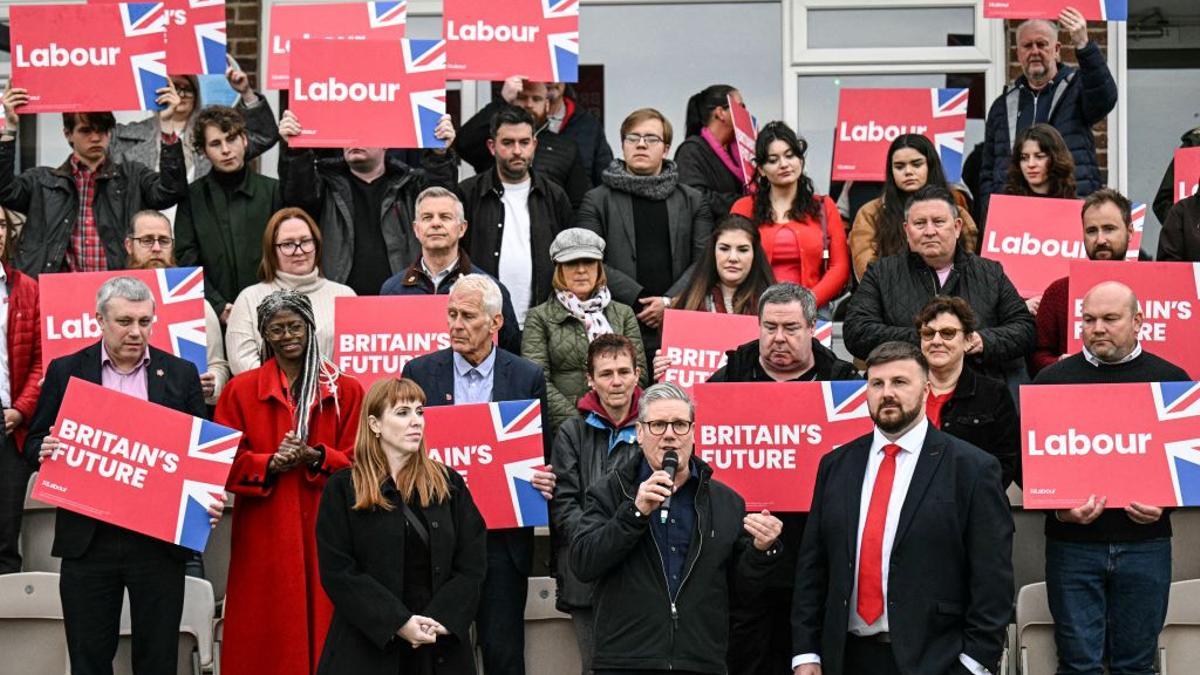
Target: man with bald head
1068 98
1108 563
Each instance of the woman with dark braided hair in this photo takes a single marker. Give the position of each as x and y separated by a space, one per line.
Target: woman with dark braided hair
802 232
299 416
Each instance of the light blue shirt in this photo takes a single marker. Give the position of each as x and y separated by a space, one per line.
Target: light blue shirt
473 384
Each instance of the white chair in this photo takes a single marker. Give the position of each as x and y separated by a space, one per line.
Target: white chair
37 534
1036 652
1179 642
217 552
195 631
550 646
32 639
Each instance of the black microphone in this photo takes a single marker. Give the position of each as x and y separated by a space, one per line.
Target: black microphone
670 464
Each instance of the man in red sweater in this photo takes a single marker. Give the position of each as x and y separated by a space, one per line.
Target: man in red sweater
1107 227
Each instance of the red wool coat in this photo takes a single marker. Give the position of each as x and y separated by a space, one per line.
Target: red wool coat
276 613
24 342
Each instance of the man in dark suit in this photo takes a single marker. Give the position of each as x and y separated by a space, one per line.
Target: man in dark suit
102 561
474 370
906 563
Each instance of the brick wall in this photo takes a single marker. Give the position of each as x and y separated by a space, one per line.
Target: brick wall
242 26
1098 33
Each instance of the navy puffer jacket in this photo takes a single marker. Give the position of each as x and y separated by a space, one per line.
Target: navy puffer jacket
1082 97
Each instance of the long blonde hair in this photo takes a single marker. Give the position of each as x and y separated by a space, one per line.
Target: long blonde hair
425 476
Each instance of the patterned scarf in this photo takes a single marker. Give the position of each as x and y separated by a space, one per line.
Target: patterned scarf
590 311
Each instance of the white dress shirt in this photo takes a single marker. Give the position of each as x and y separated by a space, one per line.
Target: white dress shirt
906 463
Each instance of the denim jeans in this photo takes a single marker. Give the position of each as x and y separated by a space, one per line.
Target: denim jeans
1109 601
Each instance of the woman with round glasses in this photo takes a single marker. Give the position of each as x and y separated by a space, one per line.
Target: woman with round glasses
291 261
962 402
299 418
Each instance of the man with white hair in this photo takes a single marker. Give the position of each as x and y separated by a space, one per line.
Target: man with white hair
100 562
474 370
1069 98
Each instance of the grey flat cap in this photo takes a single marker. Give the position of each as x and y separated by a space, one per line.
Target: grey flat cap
577 243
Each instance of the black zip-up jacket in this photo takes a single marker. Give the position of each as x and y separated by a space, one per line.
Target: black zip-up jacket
49 199
742 365
637 625
549 213
896 288
557 156
322 188
982 413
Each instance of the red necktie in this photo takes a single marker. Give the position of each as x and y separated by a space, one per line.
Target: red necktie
870 559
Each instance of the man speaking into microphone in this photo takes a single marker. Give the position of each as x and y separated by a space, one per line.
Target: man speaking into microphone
664 542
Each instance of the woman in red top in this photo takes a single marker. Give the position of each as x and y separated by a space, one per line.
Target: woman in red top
299 415
802 232
22 336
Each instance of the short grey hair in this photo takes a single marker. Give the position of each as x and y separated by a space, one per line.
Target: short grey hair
437 192
786 292
1049 25
664 391
493 301
126 288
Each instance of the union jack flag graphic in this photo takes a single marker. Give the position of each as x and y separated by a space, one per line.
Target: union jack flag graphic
149 69
949 106
845 400
180 288
501 484
383 14
214 445
1176 400
427 109
210 43
823 332
560 9
564 56
143 18
1138 214
424 56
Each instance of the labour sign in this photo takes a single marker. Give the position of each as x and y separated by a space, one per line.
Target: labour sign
536 39
1169 296
340 21
375 336
117 52
154 478
1187 173
1036 238
1092 10
495 447
744 134
870 119
372 93
195 36
1124 442
68 306
769 453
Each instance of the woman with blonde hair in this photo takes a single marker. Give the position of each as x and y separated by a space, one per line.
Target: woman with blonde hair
401 548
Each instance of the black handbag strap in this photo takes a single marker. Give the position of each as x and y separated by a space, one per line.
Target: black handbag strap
415 523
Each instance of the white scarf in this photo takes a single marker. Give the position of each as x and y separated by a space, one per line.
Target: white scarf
590 311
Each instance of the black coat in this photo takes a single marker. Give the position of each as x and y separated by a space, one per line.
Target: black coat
981 412
550 212
895 288
582 127
170 381
1180 236
322 188
951 580
361 558
742 365
581 458
557 156
1083 96
636 624
50 201
699 167
609 213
